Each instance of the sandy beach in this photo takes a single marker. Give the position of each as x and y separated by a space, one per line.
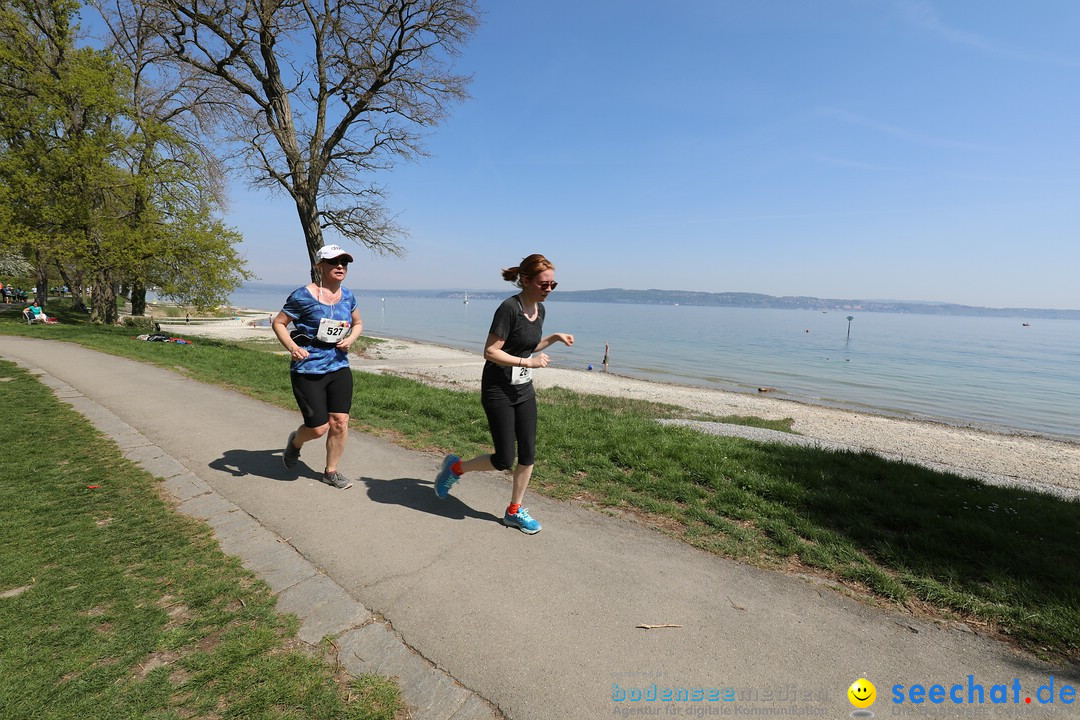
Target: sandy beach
1018 459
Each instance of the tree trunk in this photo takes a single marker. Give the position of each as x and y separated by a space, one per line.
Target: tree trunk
41 279
75 285
308 210
103 299
138 298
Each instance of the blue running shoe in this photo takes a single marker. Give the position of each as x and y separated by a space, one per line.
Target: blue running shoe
522 521
446 477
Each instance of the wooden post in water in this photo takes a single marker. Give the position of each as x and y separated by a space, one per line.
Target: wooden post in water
849 319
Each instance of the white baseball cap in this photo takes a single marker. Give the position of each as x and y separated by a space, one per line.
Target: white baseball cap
329 252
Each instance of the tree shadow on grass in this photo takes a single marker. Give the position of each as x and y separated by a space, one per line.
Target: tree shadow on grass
420 495
1006 554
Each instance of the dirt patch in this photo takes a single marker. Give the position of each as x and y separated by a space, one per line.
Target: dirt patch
14 592
153 661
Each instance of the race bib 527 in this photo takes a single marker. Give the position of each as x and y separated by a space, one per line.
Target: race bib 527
332 331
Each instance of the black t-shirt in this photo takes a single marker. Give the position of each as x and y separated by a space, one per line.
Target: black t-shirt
520 337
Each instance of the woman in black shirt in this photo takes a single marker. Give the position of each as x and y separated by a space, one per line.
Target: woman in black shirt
506 389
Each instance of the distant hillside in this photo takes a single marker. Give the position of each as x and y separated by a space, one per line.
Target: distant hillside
727 299
800 302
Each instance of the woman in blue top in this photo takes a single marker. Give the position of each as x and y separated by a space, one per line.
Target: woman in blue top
34 313
506 391
327 322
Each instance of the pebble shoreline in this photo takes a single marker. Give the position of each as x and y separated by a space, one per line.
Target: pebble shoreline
1031 461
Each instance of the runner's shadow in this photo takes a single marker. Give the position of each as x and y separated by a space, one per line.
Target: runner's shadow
420 495
261 463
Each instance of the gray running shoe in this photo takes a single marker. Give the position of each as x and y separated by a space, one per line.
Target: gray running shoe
337 480
291 455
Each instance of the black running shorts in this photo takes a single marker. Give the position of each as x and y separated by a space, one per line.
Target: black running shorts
320 395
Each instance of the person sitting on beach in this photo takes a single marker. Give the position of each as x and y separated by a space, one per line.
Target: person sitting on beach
34 313
506 390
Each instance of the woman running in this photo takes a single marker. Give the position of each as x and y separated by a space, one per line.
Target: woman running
506 389
327 322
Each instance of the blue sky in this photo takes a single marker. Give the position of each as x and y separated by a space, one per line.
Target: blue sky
875 149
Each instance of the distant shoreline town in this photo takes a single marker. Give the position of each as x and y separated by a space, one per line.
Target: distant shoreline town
726 299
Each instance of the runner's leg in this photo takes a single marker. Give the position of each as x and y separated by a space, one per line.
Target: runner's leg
525 433
335 440
339 391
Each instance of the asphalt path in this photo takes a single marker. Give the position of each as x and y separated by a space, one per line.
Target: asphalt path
547 626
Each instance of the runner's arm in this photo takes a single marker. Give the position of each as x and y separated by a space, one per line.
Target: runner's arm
565 338
493 351
355 331
280 326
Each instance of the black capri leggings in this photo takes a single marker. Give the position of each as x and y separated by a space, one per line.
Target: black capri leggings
320 395
510 423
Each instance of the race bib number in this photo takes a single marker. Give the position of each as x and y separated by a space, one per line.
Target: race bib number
520 375
332 331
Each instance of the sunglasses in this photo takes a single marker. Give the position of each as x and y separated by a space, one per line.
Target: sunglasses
334 262
548 285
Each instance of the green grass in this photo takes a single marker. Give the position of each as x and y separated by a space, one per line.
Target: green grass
931 541
114 606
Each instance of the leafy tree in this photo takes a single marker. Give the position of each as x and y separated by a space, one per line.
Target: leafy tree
323 95
198 264
26 125
101 166
57 106
177 181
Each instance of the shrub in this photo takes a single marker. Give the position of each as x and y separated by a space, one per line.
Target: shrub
142 322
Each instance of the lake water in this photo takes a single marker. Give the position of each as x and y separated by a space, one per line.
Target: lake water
980 371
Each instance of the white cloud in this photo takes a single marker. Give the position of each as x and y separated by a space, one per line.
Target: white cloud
923 15
902 133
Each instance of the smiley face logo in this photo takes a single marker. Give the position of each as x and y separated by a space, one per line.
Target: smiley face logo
862 693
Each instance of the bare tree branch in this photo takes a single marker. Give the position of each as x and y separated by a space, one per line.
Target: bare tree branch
322 94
